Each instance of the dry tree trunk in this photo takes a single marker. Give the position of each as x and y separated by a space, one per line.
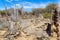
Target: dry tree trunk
55 22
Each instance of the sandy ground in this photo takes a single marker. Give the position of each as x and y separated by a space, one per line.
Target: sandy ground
23 36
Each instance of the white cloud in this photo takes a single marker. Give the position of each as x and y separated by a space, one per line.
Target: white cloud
16 0
9 0
41 5
59 6
30 4
17 4
27 6
33 5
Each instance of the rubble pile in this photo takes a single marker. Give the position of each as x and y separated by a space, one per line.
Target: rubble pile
26 29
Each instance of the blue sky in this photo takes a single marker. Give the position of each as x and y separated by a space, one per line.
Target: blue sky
27 4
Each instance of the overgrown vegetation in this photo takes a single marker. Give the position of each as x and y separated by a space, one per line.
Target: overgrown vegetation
46 12
46 15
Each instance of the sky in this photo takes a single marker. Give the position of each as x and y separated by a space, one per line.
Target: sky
27 4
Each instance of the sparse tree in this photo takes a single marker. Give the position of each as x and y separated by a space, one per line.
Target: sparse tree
50 7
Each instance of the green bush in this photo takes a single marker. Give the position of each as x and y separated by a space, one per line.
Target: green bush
46 15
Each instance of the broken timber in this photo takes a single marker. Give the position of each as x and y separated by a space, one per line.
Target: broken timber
55 23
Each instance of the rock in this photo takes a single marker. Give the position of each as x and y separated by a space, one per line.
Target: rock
37 31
